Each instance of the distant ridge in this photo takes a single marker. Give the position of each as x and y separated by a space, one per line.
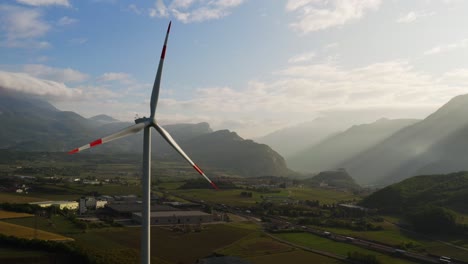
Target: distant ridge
103 118
31 124
334 150
437 144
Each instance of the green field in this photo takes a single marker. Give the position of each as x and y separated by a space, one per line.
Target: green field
394 236
233 197
18 198
121 245
342 249
10 229
7 215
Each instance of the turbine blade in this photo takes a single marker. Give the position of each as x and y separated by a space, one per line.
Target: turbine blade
122 133
157 80
174 144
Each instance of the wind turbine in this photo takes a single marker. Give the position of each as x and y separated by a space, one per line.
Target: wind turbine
145 124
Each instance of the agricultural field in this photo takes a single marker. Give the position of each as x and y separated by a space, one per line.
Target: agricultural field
233 197
7 215
18 198
299 257
56 224
395 236
10 229
342 249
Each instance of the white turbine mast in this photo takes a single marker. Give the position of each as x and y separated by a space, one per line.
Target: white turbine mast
146 124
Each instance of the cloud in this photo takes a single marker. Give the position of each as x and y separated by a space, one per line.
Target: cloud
26 83
447 47
44 2
413 16
55 74
302 57
115 76
159 10
22 27
63 21
315 15
135 9
81 99
297 93
189 11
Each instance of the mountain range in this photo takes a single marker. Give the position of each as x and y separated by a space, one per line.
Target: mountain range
31 124
380 153
437 144
330 153
292 140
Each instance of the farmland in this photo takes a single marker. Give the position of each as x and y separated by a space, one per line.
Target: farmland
26 232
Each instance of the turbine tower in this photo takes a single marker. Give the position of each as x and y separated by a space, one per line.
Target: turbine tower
145 124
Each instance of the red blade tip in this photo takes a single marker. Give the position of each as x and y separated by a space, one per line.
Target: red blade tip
96 142
73 151
214 185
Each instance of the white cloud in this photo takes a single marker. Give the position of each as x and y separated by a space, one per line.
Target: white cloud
315 15
447 47
63 21
298 93
302 57
25 83
413 16
159 10
22 27
55 74
135 9
114 76
188 11
44 2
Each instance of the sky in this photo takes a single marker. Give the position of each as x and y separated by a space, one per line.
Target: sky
251 66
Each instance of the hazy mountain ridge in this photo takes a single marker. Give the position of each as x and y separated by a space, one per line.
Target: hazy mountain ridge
405 152
245 157
332 151
291 140
30 124
103 118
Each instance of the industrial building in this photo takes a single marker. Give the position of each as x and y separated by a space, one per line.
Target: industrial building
71 205
127 209
176 217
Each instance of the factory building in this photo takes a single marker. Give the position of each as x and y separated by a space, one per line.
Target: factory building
71 205
176 217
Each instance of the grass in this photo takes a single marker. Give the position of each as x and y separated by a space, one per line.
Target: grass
7 215
18 198
319 243
166 244
390 235
253 245
295 256
325 196
233 197
29 233
55 224
11 255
